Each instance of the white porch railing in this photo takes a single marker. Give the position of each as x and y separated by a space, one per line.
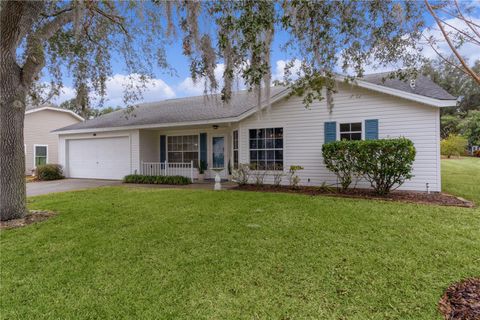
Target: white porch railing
184 169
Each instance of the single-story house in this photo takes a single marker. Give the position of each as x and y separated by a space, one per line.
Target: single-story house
41 145
173 136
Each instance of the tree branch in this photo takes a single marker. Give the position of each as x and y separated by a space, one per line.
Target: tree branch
35 50
469 23
467 70
442 57
113 18
462 32
52 15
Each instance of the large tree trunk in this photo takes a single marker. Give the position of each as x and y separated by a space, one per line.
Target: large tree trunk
16 21
12 156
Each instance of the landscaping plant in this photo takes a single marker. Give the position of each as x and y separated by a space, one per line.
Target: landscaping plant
294 179
277 175
47 171
202 167
258 174
340 157
138 178
242 174
454 145
385 163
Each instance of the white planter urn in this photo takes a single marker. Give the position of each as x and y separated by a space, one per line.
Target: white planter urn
218 185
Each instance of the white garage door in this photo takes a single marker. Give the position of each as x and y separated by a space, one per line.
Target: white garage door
105 158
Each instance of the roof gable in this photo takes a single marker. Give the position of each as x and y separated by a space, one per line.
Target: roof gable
73 114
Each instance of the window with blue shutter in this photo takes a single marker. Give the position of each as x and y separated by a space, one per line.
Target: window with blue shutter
163 148
330 131
371 129
203 147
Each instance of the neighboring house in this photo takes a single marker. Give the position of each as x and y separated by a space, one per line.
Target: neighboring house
472 149
41 145
167 137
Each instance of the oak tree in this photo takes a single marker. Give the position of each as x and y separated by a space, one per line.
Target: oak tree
81 37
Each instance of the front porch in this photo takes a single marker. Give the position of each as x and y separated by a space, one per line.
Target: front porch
170 152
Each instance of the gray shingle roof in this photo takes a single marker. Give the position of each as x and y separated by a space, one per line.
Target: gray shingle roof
211 107
178 110
424 86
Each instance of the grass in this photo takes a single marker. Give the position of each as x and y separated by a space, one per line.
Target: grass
124 253
462 177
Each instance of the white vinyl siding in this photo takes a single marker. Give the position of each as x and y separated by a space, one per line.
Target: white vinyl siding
303 132
38 131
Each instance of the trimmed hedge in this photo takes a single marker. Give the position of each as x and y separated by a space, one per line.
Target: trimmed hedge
138 178
383 163
49 171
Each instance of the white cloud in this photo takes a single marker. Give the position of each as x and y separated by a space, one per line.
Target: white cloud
154 90
189 88
467 50
279 71
66 93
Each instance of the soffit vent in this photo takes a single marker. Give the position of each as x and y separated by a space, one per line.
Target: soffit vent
412 83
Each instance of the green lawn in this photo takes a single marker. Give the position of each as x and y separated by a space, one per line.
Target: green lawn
462 177
122 253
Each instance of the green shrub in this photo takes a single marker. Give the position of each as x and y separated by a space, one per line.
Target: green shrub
454 145
138 178
202 167
49 171
340 157
386 163
383 163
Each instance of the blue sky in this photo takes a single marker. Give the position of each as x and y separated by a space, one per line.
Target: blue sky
166 86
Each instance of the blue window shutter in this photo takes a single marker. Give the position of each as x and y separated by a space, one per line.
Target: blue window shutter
371 129
203 147
330 131
163 148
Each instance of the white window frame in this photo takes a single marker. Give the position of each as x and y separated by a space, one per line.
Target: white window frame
233 148
283 145
35 153
362 121
183 135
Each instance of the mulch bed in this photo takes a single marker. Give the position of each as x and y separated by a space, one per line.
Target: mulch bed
461 301
31 217
435 198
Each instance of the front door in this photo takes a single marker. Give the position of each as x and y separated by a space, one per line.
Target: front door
218 155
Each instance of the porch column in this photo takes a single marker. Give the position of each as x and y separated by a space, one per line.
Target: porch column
135 150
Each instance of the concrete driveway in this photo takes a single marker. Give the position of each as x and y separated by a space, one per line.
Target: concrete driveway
44 187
